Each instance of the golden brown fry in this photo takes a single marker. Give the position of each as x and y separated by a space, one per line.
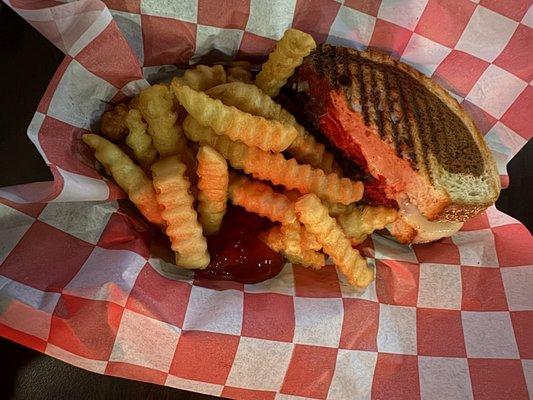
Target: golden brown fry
261 199
134 103
112 124
183 228
334 209
176 105
213 188
232 151
250 99
241 64
314 215
138 140
156 104
297 235
203 77
199 78
287 55
304 178
275 168
128 176
239 74
236 124
157 108
362 221
309 241
247 98
287 240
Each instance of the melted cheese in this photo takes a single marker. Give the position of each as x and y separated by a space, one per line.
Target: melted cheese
427 231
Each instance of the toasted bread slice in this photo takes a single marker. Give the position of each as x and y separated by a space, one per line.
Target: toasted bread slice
404 129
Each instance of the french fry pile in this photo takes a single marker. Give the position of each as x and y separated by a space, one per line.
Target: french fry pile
215 135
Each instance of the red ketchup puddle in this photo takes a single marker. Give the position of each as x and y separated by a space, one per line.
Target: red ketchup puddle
237 253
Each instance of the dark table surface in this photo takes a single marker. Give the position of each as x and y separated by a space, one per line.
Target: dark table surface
27 63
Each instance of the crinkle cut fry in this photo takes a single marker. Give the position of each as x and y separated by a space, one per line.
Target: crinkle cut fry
289 243
364 220
247 98
308 240
266 134
297 235
129 176
112 123
239 73
259 198
304 178
314 216
139 140
287 55
247 65
232 151
334 209
157 108
183 228
212 188
275 168
203 77
250 99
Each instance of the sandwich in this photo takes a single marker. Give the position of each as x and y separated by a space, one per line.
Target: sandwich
420 151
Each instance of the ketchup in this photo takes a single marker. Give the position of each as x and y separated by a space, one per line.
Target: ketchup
237 253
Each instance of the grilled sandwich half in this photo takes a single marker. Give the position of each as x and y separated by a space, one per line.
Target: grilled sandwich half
407 132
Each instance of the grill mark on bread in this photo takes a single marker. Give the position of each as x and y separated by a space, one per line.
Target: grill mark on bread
323 57
335 55
403 128
410 127
386 130
433 117
355 88
420 113
396 114
351 87
441 139
369 96
364 107
378 109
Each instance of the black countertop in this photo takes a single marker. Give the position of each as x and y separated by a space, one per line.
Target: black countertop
27 64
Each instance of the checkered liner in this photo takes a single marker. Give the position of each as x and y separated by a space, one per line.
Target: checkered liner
451 319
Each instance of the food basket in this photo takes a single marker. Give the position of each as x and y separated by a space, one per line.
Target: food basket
78 281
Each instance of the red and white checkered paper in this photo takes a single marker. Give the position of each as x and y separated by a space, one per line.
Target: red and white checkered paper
448 320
